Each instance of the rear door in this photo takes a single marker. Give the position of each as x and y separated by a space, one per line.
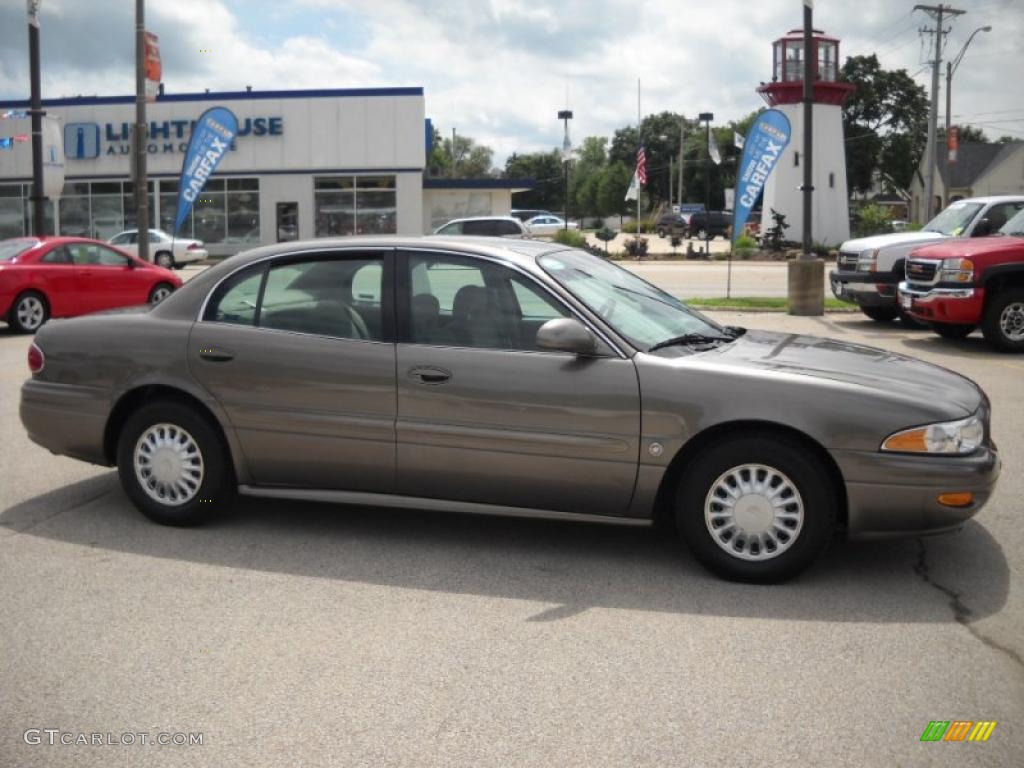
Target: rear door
485 416
299 352
55 274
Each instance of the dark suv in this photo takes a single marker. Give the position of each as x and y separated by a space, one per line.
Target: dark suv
715 223
671 224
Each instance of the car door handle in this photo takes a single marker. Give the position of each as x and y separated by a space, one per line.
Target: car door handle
430 375
216 354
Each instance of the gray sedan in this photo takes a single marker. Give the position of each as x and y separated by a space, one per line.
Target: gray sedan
513 377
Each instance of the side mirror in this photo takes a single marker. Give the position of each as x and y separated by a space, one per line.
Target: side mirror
564 334
982 229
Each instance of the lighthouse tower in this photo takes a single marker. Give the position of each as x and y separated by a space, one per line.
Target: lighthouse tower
782 191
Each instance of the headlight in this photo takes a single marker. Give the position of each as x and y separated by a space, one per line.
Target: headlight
950 437
956 271
867 260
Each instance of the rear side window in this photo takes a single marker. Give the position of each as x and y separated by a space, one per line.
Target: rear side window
510 228
57 256
483 227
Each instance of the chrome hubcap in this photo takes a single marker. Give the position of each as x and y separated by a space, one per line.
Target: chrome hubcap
163 260
168 464
30 313
160 294
1011 321
754 512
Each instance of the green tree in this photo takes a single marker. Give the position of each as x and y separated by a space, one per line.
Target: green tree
545 168
885 123
470 160
611 190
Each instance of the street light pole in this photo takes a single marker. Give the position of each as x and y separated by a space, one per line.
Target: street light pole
36 112
706 118
950 70
565 115
141 133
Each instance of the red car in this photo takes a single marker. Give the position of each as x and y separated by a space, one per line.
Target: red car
44 277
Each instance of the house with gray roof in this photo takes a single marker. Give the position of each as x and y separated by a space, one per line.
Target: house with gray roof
981 169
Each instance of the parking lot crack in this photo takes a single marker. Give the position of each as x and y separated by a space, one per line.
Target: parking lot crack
961 612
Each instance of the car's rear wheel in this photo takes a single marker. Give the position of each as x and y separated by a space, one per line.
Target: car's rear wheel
164 259
1003 324
160 292
702 234
28 312
953 330
661 232
173 465
881 314
758 508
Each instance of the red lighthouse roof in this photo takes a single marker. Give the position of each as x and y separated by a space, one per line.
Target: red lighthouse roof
789 59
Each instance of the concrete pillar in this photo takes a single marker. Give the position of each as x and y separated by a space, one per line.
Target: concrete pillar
806 286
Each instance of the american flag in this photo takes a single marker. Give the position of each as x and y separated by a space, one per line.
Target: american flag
641 167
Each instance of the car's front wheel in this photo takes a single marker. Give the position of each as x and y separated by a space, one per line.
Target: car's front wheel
881 314
757 508
160 292
1003 324
164 259
173 465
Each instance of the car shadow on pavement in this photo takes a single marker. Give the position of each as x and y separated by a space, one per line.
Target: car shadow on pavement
573 565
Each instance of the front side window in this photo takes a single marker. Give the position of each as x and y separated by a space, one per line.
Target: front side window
455 228
57 256
465 302
1014 226
638 311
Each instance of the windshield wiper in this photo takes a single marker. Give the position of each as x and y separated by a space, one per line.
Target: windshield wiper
690 338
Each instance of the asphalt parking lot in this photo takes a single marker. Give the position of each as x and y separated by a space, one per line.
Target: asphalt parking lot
300 634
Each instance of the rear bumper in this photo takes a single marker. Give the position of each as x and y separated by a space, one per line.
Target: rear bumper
66 419
892 494
867 289
190 257
943 305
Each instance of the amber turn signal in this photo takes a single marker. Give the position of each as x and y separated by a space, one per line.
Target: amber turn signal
956 499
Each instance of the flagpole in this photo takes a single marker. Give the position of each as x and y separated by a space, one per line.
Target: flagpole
639 188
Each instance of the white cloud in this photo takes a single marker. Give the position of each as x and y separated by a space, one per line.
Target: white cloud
499 70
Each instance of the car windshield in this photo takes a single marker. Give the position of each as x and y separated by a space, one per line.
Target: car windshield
9 249
954 220
1014 226
644 315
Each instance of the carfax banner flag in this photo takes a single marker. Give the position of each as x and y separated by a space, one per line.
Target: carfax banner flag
765 142
211 139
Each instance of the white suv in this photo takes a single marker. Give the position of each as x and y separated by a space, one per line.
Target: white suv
870 268
486 226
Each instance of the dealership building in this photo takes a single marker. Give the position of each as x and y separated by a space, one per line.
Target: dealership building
305 164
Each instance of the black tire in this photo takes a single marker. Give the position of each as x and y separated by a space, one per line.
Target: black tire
661 232
217 485
29 312
1002 323
881 314
164 259
953 330
160 292
782 454
702 234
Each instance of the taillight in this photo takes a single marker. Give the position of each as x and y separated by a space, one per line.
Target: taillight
36 358
193 247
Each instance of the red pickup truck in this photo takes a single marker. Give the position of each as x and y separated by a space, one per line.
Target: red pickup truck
961 284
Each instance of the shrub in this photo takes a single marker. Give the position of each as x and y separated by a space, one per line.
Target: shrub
744 241
873 219
637 246
570 237
605 234
646 225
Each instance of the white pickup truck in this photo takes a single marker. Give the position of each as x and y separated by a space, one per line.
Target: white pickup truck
869 269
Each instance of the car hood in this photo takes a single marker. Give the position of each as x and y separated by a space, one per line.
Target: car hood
893 238
886 373
991 245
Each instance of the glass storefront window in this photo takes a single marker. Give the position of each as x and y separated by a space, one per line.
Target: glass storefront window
11 211
347 205
209 214
243 217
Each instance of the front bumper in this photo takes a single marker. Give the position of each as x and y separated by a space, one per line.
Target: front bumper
867 289
942 304
894 494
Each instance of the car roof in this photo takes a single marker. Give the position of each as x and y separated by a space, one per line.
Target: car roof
991 199
482 218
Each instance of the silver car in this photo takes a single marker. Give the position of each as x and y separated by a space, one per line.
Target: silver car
516 377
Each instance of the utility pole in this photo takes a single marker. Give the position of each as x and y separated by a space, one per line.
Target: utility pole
36 113
682 137
937 12
451 173
706 118
565 115
141 134
810 63
950 69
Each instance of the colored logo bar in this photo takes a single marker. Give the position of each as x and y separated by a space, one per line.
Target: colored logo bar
958 730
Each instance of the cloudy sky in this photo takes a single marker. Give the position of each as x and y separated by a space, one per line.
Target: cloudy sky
499 70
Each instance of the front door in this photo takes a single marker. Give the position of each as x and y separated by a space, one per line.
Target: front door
485 416
299 352
107 279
